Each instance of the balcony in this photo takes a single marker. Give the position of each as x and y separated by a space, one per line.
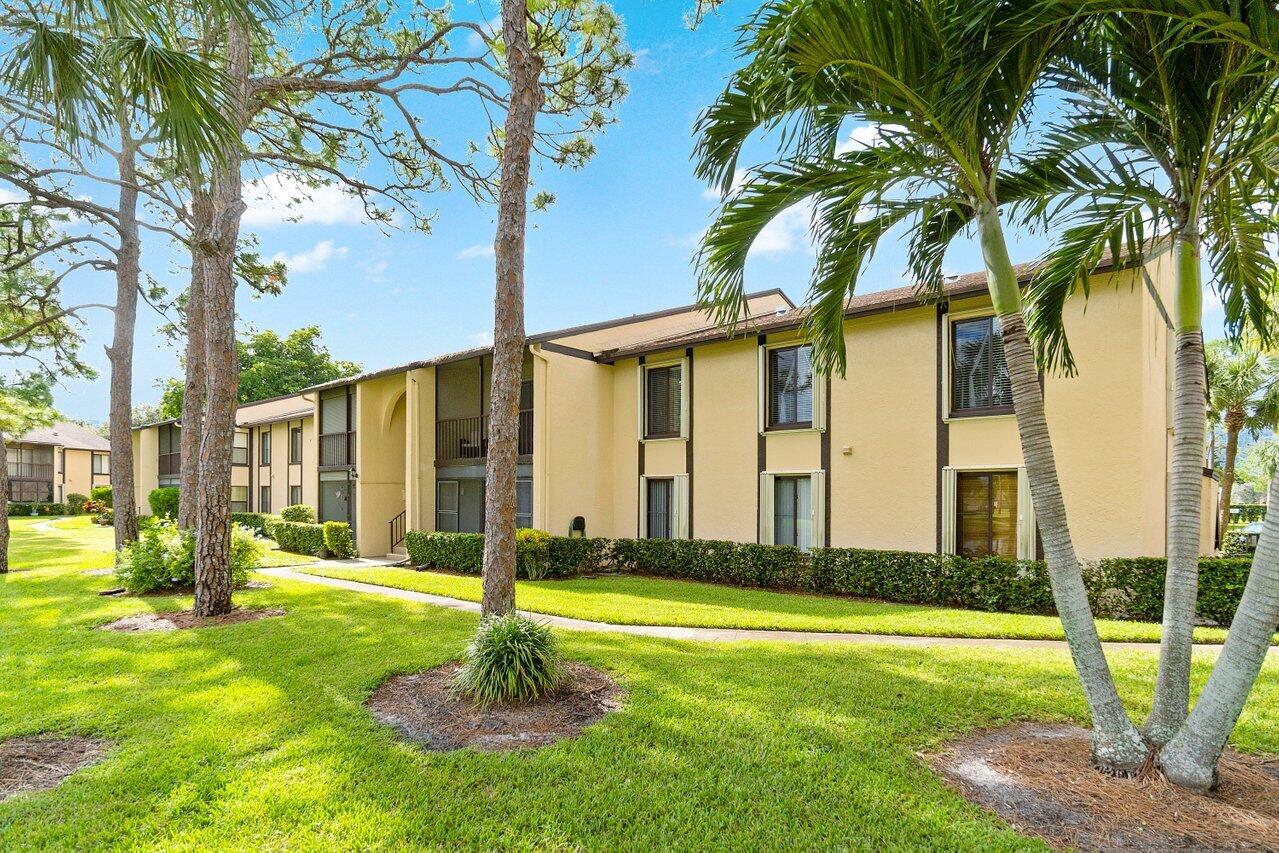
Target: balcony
468 438
337 450
30 471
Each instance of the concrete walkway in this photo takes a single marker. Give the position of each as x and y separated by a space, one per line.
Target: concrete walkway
675 632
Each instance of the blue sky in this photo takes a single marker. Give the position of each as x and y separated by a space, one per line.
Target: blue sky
618 240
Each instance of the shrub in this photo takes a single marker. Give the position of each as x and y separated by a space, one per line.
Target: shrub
163 558
101 495
1221 583
338 539
301 513
715 561
18 509
570 557
260 523
164 502
510 659
298 538
1236 544
76 502
457 552
532 553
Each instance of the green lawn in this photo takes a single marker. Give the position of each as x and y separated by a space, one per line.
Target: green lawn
630 600
254 736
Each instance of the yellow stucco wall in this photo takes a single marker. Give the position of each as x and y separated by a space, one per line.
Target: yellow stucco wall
725 441
146 465
380 430
420 448
76 476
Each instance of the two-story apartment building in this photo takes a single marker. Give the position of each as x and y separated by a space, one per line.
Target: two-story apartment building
49 463
665 425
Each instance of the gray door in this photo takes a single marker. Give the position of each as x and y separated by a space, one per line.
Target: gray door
337 498
470 506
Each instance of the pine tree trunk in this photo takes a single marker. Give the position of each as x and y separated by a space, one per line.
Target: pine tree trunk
213 504
193 388
525 69
120 353
1190 758
1234 425
1117 746
4 507
1181 584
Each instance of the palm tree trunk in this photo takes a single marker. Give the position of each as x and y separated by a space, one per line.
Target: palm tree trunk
120 353
1190 420
1116 744
1190 758
193 389
1233 421
525 68
213 504
4 507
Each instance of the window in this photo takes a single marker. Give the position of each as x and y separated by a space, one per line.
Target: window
986 514
264 449
659 507
663 401
101 464
264 499
239 499
979 382
793 511
30 491
295 445
523 502
240 448
790 387
295 495
170 440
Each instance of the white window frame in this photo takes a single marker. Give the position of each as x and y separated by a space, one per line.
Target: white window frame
950 318
819 391
1026 525
679 504
817 495
641 408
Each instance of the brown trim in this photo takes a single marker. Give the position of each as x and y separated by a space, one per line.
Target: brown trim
248 500
826 439
943 428
1212 474
640 318
639 508
688 444
761 444
574 352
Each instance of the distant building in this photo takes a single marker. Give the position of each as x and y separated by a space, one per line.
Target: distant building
47 464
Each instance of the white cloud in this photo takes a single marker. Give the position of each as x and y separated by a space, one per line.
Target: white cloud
787 231
866 136
482 339
8 196
313 259
493 26
279 198
480 250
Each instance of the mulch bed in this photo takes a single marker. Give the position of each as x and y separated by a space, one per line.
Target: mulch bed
41 762
420 707
180 619
1040 779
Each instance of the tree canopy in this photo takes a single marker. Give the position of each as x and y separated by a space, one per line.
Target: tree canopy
271 366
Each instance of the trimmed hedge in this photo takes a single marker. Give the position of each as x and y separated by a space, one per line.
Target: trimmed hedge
164 502
301 513
538 555
101 495
298 538
76 502
261 523
338 539
37 509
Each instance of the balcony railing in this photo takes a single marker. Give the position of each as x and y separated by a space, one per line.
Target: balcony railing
170 464
468 438
337 449
30 470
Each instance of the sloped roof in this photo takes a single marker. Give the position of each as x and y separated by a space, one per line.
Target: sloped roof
67 434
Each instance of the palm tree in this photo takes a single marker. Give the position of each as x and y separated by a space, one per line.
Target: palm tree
951 95
1244 387
1188 128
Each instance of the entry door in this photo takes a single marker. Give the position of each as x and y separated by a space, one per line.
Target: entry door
446 506
470 504
337 500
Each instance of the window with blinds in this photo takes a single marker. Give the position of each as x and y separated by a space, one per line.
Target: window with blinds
790 387
240 448
264 448
524 502
239 499
295 495
663 400
986 514
659 505
979 381
295 445
793 511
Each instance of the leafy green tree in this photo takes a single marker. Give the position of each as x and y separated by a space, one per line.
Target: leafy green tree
271 366
26 402
1166 132
951 94
1244 394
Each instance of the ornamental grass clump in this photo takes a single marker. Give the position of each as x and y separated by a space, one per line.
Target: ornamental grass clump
511 659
